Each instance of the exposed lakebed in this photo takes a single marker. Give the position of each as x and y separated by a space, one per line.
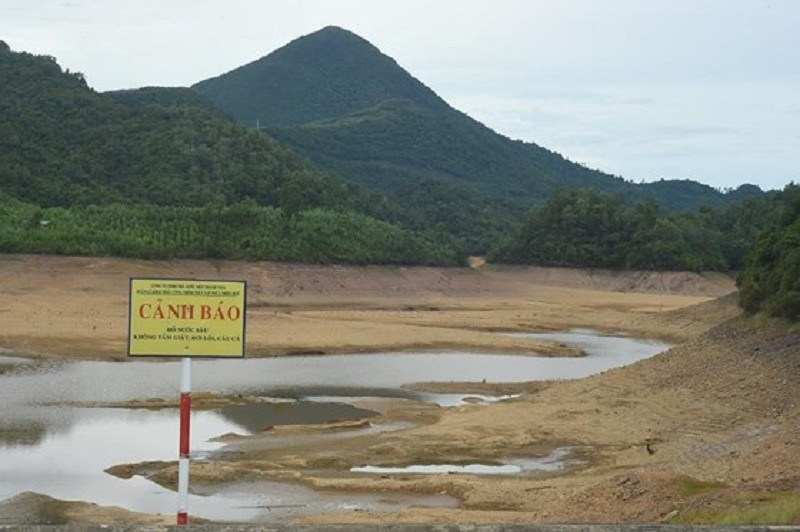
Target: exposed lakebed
62 451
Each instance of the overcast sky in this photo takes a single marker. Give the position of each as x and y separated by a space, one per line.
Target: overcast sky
645 89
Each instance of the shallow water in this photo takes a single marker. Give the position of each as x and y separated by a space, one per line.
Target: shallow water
305 375
62 451
70 466
556 460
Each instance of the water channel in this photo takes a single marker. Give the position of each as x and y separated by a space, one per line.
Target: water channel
59 450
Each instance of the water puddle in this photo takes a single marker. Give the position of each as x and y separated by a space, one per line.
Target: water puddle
449 400
445 400
556 460
97 381
439 469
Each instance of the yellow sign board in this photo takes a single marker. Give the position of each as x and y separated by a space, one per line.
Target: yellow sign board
186 318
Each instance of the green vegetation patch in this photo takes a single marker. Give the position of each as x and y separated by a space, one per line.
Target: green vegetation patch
776 508
243 231
689 487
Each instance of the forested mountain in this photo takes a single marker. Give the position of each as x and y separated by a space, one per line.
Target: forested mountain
399 141
66 144
162 172
336 99
156 150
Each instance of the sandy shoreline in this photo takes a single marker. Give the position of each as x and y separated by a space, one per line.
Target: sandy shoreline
719 410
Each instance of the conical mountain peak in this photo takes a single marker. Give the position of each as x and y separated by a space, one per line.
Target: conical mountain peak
327 74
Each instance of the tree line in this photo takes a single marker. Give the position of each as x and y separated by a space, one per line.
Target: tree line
589 228
759 237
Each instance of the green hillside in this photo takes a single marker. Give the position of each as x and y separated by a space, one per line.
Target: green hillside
398 141
241 231
336 99
66 144
67 147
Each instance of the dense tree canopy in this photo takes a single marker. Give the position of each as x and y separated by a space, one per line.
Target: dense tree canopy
330 73
64 144
595 229
770 280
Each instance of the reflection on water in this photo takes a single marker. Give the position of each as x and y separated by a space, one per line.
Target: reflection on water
22 432
62 451
70 466
261 416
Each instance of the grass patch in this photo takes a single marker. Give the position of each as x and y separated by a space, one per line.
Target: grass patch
777 508
688 487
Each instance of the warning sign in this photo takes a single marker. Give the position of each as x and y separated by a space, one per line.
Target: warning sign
186 318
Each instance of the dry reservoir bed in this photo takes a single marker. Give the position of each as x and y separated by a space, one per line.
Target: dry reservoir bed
689 433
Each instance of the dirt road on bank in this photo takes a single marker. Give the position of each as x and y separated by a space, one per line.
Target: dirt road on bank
703 431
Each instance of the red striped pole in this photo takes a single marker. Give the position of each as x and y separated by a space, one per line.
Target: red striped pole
183 444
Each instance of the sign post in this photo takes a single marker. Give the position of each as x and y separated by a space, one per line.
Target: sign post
186 318
183 441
